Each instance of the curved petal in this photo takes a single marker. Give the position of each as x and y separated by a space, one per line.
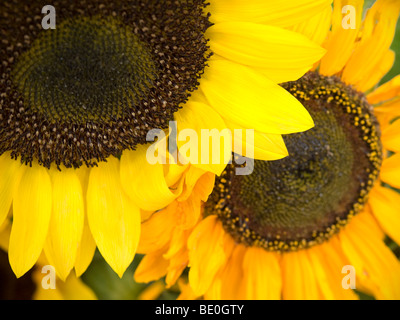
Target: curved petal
375 264
385 204
152 267
317 27
246 97
299 278
390 170
66 223
87 245
199 122
206 254
262 274
113 219
144 182
341 42
327 263
10 175
386 91
265 146
32 207
391 136
279 13
282 55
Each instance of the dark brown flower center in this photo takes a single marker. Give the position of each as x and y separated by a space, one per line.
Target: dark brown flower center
96 84
308 196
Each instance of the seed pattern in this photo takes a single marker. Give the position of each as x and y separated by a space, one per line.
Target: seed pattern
307 197
95 85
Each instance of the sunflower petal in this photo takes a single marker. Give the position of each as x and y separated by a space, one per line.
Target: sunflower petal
375 264
144 182
113 219
299 278
385 204
206 254
282 55
262 274
31 216
327 263
390 170
386 91
266 146
279 13
87 245
316 28
391 137
377 72
341 41
152 267
244 96
10 175
66 223
372 50
204 122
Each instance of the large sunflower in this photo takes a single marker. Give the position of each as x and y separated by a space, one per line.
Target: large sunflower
77 102
301 227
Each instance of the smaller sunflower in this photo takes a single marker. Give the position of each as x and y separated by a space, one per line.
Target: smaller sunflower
288 229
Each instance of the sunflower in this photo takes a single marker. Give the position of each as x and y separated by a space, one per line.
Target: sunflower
315 224
77 102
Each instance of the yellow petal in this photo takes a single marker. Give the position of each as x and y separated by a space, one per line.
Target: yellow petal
391 137
265 146
390 170
262 274
31 216
233 285
279 13
375 264
327 264
152 292
208 142
386 91
377 72
390 109
316 28
372 50
86 250
66 223
87 245
177 255
157 230
206 254
152 267
10 175
299 278
341 41
385 204
244 96
144 182
282 55
113 219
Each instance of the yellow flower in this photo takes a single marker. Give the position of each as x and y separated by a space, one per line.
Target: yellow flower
78 101
294 227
